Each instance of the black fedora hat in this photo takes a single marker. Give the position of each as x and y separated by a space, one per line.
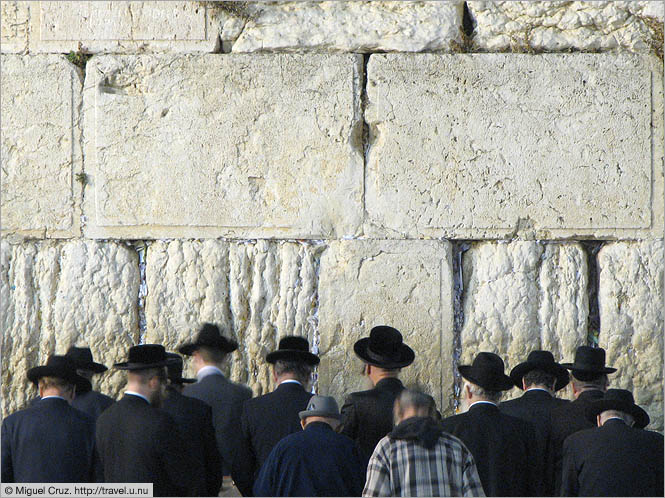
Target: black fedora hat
174 370
540 360
384 348
83 359
589 363
145 356
620 400
487 372
293 348
61 367
209 337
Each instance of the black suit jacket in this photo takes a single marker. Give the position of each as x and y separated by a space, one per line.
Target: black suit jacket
49 442
367 416
140 443
194 419
613 460
226 399
92 402
265 421
503 447
535 406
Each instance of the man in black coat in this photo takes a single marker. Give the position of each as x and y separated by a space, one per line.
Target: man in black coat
137 441
269 418
87 400
540 377
503 447
50 441
194 418
617 458
367 416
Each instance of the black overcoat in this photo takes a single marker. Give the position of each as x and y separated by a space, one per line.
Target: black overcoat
92 402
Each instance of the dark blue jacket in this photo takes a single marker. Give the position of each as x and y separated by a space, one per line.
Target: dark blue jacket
92 403
49 442
313 462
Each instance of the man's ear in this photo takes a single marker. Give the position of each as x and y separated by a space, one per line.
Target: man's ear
598 420
302 423
523 384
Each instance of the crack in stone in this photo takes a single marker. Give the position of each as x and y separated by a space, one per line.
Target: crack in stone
459 247
592 248
141 248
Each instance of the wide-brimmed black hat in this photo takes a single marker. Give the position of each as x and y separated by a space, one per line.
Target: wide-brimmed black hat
61 367
83 359
540 360
293 348
589 363
145 356
487 372
209 337
384 348
620 400
174 370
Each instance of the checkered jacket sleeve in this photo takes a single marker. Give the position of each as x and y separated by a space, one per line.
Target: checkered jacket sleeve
378 471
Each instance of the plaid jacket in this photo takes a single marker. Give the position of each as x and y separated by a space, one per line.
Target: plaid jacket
400 467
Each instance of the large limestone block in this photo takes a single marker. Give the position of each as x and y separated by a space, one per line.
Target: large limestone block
493 145
56 295
405 284
14 22
631 320
235 145
349 26
522 296
555 26
257 292
121 27
41 150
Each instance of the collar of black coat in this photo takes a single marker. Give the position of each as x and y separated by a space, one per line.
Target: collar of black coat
537 394
53 400
289 386
615 422
484 407
390 384
590 395
424 430
318 426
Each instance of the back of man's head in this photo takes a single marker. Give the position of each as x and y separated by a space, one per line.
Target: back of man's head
539 378
595 383
608 414
55 386
481 394
297 370
211 356
412 403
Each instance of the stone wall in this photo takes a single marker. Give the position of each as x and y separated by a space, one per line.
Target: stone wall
481 175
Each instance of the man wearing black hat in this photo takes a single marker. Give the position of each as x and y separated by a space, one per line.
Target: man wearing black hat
503 446
618 457
589 382
138 442
367 416
87 400
268 418
540 377
209 352
50 441
194 419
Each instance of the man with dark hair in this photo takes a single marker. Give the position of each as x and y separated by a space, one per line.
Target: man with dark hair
269 418
88 400
502 446
50 441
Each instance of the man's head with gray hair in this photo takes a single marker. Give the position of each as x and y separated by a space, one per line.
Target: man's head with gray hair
413 403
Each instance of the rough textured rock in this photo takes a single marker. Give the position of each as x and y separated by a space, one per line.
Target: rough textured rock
41 98
239 146
631 320
59 294
121 27
344 26
405 284
556 26
522 296
256 291
490 145
14 22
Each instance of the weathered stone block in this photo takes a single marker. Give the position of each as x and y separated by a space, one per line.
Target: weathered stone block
56 295
121 27
556 26
41 150
631 320
523 296
405 284
257 293
493 145
14 22
240 146
349 26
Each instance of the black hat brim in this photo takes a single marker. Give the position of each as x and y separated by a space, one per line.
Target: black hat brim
34 374
561 374
597 371
125 365
92 366
403 357
224 345
293 355
499 383
596 407
182 380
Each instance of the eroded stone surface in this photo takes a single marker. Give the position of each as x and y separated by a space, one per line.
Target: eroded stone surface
14 22
56 295
41 98
257 292
522 296
492 145
405 284
631 320
556 26
240 146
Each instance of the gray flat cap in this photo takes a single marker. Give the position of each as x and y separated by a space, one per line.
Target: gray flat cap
321 406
